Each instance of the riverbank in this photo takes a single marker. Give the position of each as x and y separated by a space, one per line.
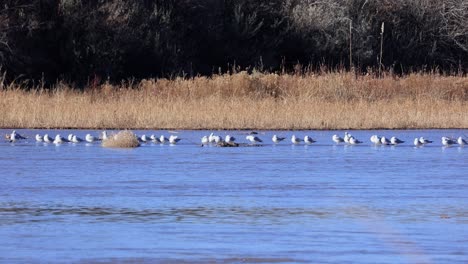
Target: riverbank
242 101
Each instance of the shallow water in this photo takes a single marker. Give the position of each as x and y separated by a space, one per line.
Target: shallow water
322 203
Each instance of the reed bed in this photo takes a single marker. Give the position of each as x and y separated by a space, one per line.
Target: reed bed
339 100
123 139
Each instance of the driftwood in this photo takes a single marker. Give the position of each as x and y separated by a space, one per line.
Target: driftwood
223 144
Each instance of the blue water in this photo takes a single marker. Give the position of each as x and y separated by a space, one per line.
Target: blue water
322 203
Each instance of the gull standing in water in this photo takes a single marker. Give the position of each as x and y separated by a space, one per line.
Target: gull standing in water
47 139
337 139
396 141
89 138
70 137
253 139
447 142
58 139
163 139
154 139
104 135
39 138
277 139
308 140
424 141
14 136
144 138
76 139
211 138
384 141
173 139
229 139
346 137
375 139
295 140
216 139
417 142
461 141
205 140
354 141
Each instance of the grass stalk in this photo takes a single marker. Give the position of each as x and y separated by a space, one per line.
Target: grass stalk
336 100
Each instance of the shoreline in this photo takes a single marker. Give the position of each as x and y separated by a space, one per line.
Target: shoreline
241 101
234 129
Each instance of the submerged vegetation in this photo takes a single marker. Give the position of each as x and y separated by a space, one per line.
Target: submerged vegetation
306 100
123 139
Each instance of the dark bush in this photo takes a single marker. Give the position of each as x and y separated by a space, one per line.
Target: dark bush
92 41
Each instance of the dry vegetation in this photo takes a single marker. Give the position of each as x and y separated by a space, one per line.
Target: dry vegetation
123 139
337 100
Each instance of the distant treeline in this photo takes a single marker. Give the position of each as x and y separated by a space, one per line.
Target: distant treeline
83 41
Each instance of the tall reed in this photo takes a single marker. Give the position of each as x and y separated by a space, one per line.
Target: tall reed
336 100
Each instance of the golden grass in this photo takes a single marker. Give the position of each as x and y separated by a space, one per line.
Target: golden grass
123 139
338 100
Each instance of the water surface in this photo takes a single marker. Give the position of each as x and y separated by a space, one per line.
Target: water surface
322 203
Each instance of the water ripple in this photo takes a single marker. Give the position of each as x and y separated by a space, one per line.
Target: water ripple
10 215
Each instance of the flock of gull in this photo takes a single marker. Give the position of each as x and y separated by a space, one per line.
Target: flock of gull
253 138
347 139
72 138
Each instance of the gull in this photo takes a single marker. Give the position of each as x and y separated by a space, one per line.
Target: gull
211 138
417 142
90 138
104 135
174 139
461 141
375 139
447 141
14 136
253 139
424 141
308 140
154 139
39 138
47 139
295 140
216 139
384 141
205 140
277 139
347 136
144 138
337 139
354 141
229 139
70 137
76 139
163 139
59 140
396 141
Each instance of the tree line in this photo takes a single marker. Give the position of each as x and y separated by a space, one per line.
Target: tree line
79 41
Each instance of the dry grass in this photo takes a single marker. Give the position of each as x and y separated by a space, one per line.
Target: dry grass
242 101
123 139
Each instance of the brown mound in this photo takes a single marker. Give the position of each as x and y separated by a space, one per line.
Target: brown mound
123 139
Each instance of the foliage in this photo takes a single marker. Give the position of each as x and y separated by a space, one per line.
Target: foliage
88 42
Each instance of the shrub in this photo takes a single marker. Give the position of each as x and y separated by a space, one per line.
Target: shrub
123 139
